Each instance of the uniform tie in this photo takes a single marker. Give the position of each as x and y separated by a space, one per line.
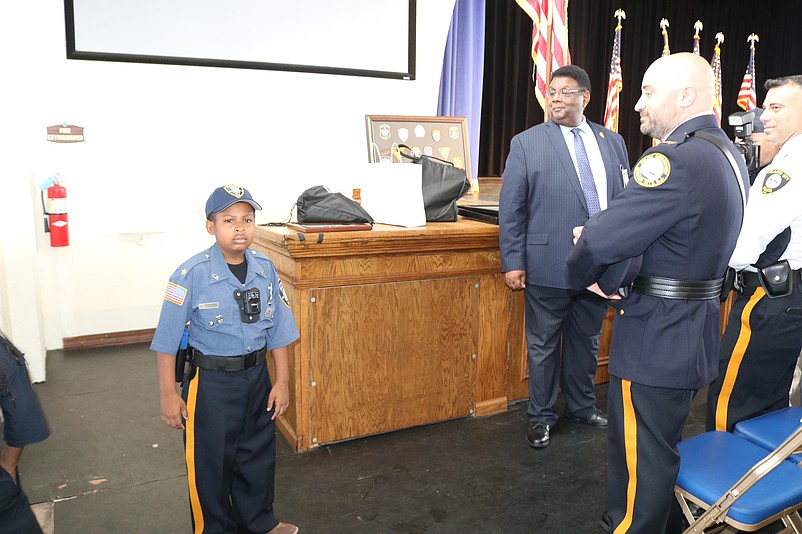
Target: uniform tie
585 174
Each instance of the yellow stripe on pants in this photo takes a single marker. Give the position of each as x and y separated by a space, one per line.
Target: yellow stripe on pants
631 448
723 403
194 501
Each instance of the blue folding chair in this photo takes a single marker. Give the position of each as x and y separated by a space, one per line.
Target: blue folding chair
771 429
741 486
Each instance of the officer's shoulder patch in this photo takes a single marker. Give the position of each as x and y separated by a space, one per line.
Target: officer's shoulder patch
652 170
774 180
282 295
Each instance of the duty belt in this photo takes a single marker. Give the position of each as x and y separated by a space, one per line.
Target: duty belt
227 363
669 288
751 279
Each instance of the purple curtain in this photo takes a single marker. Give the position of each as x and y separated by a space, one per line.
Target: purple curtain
463 67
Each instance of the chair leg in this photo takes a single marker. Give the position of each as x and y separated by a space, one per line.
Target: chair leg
794 521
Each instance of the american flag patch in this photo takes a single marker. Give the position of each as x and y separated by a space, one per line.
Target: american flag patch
175 293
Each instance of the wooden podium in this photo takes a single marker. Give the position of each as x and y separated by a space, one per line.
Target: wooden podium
399 327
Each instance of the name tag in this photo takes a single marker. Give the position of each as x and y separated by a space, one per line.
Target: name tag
208 305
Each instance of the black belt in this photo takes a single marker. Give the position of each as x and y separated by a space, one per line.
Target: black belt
226 363
669 288
751 279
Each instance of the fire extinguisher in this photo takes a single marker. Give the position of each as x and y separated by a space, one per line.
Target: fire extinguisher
55 212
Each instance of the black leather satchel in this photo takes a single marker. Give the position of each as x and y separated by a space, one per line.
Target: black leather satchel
320 205
442 183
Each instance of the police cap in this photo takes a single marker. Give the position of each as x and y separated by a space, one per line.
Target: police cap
225 196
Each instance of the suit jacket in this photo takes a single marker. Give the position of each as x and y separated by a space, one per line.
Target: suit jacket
541 200
682 212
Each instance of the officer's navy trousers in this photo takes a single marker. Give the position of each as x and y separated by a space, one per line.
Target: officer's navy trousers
758 355
644 425
230 451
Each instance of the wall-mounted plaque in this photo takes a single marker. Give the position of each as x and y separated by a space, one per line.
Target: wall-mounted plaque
440 137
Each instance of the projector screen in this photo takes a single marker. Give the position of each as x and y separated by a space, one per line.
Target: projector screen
351 37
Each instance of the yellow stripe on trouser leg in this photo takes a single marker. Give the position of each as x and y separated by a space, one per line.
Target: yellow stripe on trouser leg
722 407
631 448
194 501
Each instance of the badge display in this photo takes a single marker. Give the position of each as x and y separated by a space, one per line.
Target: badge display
440 137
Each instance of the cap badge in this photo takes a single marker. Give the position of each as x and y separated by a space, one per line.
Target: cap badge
234 190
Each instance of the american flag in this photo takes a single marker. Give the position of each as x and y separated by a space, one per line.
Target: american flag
549 40
747 97
715 64
616 80
175 293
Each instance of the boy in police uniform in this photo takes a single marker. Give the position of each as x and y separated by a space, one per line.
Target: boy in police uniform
24 424
232 299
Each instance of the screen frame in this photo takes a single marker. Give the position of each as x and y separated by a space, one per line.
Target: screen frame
96 55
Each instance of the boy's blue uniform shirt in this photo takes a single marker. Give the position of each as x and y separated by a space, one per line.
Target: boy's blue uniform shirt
201 291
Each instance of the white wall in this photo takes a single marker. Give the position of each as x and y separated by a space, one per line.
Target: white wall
159 139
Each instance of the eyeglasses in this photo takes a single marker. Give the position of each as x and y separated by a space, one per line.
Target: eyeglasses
551 93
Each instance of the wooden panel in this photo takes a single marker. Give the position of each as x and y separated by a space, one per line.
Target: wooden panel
602 374
494 322
518 373
387 356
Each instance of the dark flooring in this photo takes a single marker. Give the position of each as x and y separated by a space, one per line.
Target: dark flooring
112 466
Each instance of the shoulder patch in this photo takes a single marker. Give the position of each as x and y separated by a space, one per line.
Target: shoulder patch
652 170
175 293
282 295
774 181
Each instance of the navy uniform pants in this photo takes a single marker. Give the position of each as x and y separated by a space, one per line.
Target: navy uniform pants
16 516
230 450
758 355
644 425
578 317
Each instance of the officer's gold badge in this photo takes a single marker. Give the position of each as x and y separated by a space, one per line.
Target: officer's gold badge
775 180
652 170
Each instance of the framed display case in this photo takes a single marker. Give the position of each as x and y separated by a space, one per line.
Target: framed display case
439 137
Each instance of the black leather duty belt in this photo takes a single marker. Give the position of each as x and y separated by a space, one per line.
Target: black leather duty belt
751 279
669 288
227 363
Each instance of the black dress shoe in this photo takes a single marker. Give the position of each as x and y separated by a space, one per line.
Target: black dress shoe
597 419
537 435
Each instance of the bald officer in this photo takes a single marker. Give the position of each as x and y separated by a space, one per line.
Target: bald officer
763 338
680 216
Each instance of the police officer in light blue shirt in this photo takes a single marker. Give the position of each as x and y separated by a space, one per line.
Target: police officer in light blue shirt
231 298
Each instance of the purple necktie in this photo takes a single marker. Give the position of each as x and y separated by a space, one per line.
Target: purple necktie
585 174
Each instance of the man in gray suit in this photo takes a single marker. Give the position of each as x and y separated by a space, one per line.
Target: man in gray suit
557 175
